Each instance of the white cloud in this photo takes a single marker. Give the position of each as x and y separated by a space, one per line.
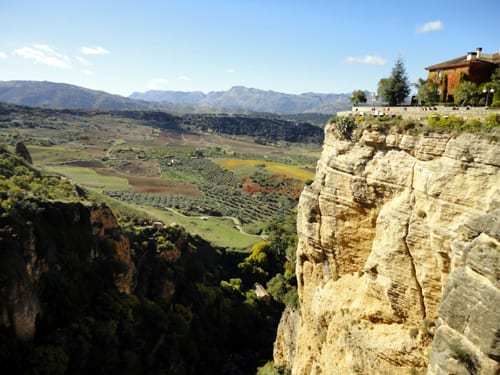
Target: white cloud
184 78
44 54
83 61
157 83
430 26
94 51
87 72
372 60
2 56
230 71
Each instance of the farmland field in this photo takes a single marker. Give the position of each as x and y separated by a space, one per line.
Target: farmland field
90 178
155 161
248 166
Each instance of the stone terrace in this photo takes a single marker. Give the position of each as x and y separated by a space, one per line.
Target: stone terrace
420 113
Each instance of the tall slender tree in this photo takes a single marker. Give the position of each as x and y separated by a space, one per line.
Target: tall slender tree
395 89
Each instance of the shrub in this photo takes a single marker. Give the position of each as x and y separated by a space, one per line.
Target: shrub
407 124
332 119
491 121
270 369
445 122
472 125
344 127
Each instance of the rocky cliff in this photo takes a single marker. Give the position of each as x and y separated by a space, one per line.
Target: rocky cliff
43 237
398 258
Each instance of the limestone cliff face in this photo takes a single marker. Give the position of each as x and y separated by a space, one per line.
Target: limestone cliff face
398 258
37 239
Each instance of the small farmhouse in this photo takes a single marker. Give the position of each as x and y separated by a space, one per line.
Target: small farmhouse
475 67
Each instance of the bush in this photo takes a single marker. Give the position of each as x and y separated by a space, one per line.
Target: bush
445 122
492 121
344 127
270 369
472 125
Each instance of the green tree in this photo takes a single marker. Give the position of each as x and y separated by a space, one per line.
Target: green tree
465 93
358 96
427 91
396 88
383 89
495 80
495 77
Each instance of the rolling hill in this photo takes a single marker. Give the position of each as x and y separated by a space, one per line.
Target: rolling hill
62 95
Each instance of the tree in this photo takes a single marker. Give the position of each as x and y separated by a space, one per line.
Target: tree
396 88
495 80
383 89
427 91
464 93
358 96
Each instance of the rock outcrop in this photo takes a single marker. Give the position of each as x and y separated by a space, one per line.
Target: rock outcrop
23 152
398 258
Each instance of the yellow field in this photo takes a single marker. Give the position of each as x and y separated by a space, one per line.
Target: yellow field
247 166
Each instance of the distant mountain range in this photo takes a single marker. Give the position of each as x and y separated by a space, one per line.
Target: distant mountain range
249 99
238 99
62 95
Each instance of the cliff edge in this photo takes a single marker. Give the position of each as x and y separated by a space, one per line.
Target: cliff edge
398 257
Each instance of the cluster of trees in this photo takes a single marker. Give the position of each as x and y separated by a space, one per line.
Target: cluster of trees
465 93
392 90
264 128
395 89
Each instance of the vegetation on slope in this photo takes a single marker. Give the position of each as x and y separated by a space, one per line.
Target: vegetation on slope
193 309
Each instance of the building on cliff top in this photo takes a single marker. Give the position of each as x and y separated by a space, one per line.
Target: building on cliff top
475 67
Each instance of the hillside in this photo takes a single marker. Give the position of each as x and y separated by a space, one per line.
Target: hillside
62 95
85 292
243 98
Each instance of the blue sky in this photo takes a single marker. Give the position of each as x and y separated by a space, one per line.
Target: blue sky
292 46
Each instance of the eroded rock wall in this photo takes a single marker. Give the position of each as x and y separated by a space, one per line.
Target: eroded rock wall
397 261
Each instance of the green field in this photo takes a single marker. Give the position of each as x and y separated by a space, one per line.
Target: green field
56 154
89 178
218 231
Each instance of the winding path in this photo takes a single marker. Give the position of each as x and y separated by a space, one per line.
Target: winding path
236 221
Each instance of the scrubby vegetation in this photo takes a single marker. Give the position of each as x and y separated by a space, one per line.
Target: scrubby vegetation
350 127
19 181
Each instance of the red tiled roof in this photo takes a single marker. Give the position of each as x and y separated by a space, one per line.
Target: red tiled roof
493 58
